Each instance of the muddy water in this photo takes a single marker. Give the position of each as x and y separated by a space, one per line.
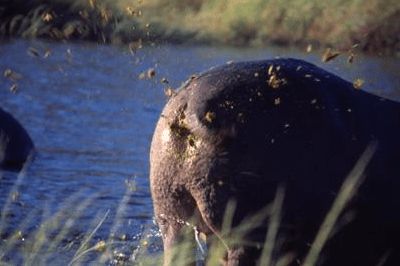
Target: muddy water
91 118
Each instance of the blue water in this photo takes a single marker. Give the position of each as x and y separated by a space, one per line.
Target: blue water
92 119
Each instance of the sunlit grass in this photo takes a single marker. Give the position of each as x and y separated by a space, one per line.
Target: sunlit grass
340 23
44 237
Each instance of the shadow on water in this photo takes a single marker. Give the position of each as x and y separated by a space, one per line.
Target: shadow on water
91 118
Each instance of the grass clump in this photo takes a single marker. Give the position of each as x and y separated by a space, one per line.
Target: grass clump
66 236
59 238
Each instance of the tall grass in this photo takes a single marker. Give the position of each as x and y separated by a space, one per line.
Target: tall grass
230 236
54 232
55 240
374 24
44 237
337 22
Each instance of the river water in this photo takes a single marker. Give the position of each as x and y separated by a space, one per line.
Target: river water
91 118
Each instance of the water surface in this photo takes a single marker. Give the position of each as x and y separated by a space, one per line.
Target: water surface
92 119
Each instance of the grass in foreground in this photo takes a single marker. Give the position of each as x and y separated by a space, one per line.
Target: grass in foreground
52 237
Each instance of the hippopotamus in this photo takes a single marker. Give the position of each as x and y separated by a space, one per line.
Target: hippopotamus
235 134
15 144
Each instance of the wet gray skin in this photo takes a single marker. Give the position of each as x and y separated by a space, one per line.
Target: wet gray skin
15 143
238 131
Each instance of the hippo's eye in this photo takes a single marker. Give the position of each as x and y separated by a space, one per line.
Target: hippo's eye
191 140
178 125
179 130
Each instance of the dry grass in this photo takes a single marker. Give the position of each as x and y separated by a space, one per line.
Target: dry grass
374 24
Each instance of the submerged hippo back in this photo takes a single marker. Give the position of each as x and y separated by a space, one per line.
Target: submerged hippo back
15 143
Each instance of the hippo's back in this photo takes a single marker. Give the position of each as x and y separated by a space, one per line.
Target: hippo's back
238 131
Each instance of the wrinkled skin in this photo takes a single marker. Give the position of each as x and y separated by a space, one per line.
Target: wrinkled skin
235 133
15 143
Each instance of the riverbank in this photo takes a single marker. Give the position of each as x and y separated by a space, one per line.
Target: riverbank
372 24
